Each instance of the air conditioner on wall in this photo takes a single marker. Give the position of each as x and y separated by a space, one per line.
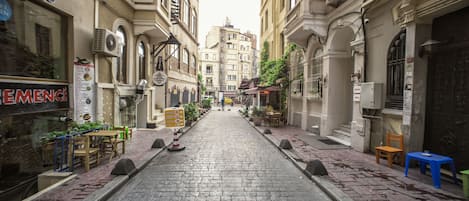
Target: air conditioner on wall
106 42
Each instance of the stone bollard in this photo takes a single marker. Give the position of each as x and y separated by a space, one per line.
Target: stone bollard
285 144
158 144
267 131
316 167
124 167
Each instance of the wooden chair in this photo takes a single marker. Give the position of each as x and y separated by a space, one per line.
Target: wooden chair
82 149
389 150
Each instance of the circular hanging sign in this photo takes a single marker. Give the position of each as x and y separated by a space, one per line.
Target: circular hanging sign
159 78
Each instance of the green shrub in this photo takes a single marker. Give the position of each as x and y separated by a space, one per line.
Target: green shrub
191 112
206 103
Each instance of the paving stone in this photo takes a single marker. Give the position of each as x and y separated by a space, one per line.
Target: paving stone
222 161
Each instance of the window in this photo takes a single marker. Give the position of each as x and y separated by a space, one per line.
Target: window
185 57
209 81
231 87
33 42
231 77
193 64
174 51
262 25
315 74
194 23
266 19
186 12
122 58
209 69
292 4
395 72
206 56
141 61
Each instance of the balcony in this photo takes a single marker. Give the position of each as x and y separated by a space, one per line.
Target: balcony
151 18
306 18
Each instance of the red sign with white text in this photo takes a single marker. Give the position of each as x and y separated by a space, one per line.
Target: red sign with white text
17 98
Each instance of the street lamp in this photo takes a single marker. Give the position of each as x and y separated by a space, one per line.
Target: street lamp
171 41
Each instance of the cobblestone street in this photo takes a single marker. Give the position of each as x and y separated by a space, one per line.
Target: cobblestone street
224 159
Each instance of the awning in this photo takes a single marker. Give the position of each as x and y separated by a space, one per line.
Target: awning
251 91
262 90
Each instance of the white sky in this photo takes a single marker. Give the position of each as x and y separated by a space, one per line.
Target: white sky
244 14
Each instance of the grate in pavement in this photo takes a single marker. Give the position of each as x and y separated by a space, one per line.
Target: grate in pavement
329 141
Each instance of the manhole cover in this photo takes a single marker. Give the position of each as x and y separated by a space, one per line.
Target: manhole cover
329 141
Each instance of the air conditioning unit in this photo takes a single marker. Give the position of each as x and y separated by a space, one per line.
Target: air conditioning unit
371 95
106 42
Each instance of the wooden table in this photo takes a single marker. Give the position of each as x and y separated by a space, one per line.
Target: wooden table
113 136
435 162
273 118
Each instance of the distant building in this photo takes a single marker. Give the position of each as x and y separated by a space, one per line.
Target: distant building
229 57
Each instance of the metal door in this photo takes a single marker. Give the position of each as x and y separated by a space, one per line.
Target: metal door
447 121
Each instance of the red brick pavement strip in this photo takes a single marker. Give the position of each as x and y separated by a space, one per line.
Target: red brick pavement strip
138 149
358 175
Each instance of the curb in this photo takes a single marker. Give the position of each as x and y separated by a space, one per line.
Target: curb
330 189
118 182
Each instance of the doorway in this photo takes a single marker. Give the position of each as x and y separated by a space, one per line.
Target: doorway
447 116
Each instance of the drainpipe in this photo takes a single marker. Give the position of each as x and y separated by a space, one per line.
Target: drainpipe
99 103
365 48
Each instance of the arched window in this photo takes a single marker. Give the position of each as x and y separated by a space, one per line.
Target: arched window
193 64
121 74
142 72
315 72
395 72
185 56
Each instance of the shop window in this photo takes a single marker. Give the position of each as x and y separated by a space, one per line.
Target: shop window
33 42
395 72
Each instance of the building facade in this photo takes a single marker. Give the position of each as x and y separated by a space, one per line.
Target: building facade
183 61
228 58
382 67
91 60
273 19
38 43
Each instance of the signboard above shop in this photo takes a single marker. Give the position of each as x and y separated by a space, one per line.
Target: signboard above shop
18 98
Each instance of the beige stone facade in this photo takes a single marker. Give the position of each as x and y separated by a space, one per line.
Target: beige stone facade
351 44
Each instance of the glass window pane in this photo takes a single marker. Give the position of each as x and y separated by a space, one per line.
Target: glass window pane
33 42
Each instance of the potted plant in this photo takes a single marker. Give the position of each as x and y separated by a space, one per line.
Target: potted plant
257 116
191 113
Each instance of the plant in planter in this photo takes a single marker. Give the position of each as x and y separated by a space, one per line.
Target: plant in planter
191 113
257 116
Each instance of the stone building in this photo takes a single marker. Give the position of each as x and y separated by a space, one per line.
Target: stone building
183 61
375 67
88 60
229 57
38 43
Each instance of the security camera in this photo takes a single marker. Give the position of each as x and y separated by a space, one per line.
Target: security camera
366 20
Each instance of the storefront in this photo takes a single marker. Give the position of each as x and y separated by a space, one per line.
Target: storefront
35 95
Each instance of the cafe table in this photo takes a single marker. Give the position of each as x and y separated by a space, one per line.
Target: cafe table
112 135
434 160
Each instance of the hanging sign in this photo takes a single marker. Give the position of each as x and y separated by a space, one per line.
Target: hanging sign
159 78
18 98
5 10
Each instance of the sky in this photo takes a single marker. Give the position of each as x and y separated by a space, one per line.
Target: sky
244 14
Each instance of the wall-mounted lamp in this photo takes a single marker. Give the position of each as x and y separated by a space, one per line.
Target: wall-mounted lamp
425 48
